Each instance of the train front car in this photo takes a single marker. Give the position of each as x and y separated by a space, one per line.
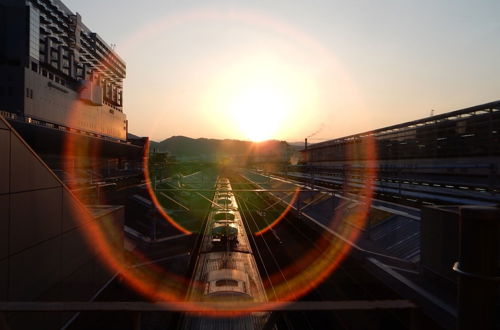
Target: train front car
225 269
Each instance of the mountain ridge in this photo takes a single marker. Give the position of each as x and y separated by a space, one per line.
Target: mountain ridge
207 148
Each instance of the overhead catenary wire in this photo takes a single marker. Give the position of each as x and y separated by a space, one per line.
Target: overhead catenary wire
244 203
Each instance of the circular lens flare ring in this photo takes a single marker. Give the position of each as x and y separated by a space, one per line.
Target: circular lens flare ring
275 222
154 198
159 285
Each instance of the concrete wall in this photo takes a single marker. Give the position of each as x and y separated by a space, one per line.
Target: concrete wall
43 252
61 105
439 241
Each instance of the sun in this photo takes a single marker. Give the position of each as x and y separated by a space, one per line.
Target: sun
259 110
260 97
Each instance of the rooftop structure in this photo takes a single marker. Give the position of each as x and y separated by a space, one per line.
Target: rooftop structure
451 158
472 131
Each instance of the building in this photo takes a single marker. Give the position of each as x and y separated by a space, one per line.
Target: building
60 83
56 72
454 154
469 132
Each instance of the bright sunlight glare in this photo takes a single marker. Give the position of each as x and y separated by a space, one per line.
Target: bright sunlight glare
259 98
259 110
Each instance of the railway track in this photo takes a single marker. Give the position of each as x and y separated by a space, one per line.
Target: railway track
225 269
280 247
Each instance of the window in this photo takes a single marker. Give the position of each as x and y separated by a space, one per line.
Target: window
34 66
44 73
29 93
34 33
223 216
51 76
226 283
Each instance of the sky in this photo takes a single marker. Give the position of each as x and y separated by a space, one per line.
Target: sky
292 69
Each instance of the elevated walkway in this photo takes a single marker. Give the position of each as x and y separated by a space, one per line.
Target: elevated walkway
44 250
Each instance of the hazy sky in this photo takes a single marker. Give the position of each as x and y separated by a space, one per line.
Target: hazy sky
286 69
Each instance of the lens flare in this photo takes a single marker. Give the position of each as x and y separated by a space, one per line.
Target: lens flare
157 284
288 208
258 110
154 198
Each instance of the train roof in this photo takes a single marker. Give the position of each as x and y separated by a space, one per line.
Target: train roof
226 230
228 282
224 215
227 274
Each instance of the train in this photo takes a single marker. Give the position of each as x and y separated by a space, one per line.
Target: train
225 268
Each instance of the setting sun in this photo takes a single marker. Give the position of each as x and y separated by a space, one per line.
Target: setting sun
259 111
261 98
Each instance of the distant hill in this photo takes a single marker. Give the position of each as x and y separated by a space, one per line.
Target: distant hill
211 149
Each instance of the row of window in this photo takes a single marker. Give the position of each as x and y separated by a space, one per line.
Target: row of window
29 93
51 52
36 68
480 143
113 95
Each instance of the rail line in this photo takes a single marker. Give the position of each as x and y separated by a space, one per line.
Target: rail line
225 269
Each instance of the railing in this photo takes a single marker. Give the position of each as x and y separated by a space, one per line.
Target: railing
38 122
